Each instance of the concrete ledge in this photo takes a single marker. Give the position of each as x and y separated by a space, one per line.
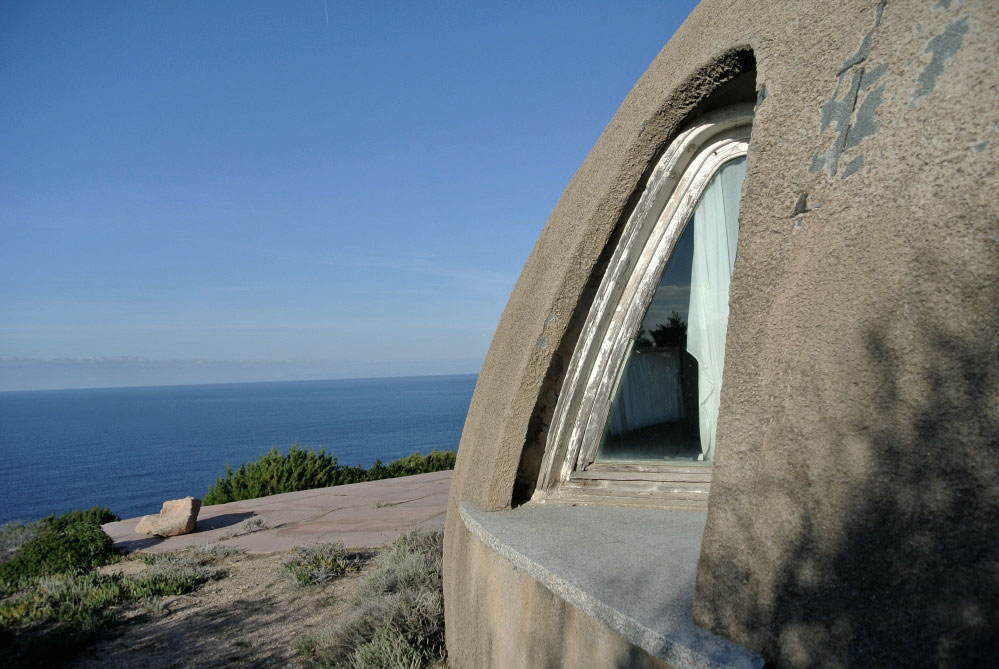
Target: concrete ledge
631 569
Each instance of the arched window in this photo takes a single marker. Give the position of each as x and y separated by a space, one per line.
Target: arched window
637 414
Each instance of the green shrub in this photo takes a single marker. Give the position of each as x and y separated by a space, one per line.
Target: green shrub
397 619
322 563
300 469
274 473
72 542
99 515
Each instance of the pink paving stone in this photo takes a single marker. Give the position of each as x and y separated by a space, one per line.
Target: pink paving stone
368 514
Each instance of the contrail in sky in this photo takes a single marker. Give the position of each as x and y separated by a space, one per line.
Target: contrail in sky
327 8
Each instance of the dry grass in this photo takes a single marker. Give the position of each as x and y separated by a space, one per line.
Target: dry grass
396 618
248 526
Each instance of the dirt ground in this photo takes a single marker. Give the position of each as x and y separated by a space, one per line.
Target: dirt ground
252 617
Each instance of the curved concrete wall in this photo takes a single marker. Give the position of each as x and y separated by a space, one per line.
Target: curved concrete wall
518 622
855 498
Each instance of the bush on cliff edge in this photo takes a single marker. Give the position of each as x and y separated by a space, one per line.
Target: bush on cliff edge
301 469
72 542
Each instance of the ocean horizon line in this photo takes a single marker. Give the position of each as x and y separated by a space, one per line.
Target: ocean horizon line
240 383
129 448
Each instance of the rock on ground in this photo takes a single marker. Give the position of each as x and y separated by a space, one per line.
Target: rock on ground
178 516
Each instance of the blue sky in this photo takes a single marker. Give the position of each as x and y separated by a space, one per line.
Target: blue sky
231 191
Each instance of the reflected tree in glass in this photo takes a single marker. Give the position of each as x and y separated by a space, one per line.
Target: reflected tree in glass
665 403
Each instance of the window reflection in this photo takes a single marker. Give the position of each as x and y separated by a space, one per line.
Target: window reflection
665 405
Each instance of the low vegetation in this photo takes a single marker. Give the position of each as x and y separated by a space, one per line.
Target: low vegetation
55 599
55 602
322 563
397 616
216 549
248 526
72 542
302 469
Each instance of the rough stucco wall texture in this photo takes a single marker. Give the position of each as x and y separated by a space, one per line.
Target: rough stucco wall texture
856 505
855 501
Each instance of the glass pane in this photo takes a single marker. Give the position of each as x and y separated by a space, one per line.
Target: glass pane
665 404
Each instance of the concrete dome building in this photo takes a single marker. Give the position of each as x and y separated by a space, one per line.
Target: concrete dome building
742 406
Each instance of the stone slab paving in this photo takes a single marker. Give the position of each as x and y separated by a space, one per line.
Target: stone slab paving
361 515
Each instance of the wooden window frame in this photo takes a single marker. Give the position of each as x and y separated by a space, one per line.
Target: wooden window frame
568 471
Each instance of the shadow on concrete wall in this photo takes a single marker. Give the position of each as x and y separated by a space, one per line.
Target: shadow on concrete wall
916 579
912 579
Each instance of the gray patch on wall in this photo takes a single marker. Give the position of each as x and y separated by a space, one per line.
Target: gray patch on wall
943 47
945 4
853 166
866 124
865 46
839 111
978 148
801 206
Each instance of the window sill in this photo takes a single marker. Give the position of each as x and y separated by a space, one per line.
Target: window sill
615 565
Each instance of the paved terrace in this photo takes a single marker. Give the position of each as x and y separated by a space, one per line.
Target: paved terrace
360 515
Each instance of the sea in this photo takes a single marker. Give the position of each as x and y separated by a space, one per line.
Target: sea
132 448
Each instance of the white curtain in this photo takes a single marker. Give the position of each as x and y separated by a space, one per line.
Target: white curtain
649 391
716 231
